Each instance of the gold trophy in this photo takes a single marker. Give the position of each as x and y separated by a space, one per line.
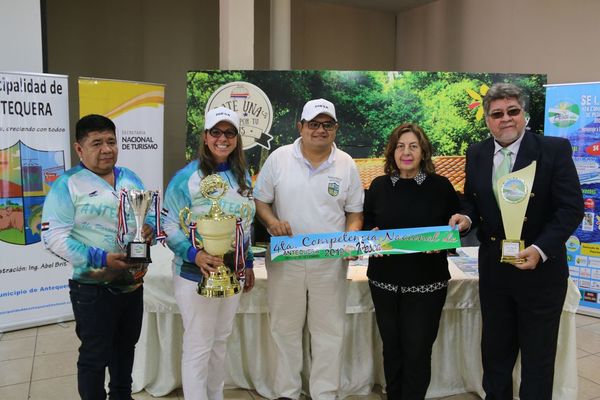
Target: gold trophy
514 191
218 234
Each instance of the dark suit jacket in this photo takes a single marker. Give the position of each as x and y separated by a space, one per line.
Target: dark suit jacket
554 211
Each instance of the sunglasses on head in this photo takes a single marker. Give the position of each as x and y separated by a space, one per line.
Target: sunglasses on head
217 133
511 112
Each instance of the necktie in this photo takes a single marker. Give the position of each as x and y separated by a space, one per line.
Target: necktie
503 169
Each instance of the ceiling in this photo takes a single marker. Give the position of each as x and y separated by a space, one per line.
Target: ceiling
382 5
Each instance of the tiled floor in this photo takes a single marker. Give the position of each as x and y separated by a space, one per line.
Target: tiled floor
39 364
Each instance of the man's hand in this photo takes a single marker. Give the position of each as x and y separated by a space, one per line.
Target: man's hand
274 226
117 261
206 262
279 228
249 283
531 257
461 220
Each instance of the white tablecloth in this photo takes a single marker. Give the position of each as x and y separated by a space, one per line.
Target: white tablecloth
456 360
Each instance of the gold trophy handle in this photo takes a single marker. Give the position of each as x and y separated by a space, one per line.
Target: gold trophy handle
185 217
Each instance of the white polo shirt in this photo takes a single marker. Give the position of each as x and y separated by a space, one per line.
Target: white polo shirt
311 200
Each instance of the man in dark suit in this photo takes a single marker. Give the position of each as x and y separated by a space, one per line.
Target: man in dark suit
521 303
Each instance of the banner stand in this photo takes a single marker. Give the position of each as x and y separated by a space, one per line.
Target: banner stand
137 109
34 152
573 112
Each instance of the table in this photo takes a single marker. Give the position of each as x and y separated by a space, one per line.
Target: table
456 359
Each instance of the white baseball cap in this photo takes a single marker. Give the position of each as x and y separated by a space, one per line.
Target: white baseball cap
312 108
219 114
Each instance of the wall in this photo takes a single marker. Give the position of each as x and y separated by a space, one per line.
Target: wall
329 36
158 41
262 27
556 37
142 40
20 36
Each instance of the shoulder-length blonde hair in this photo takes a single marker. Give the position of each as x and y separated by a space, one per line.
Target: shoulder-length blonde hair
426 149
236 160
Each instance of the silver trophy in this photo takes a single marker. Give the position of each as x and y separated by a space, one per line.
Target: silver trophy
140 201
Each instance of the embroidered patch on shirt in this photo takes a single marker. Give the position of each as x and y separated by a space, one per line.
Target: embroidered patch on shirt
333 188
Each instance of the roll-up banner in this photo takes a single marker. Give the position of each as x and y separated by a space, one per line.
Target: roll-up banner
137 109
573 112
34 152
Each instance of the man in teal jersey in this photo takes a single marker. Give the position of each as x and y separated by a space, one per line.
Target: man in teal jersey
81 226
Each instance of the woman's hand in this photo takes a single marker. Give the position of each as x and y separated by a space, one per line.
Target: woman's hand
249 282
461 221
206 262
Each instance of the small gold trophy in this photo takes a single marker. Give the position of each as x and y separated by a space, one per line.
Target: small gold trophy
514 191
218 234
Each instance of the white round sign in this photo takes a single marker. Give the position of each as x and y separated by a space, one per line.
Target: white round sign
253 107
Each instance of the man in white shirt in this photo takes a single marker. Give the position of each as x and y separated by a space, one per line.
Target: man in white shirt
309 186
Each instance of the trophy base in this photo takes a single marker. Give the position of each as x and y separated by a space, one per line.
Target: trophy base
138 252
511 250
220 284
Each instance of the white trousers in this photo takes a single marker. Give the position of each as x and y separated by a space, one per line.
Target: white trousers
207 324
313 291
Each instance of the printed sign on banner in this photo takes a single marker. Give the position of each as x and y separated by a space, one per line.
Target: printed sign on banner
254 108
137 109
34 152
573 112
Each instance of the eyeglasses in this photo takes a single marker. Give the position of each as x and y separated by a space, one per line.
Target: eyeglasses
327 125
511 112
217 133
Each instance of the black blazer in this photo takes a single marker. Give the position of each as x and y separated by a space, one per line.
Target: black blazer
554 211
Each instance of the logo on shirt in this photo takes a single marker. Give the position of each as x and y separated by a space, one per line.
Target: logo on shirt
333 188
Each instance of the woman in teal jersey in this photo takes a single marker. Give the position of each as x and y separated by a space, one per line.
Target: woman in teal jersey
209 321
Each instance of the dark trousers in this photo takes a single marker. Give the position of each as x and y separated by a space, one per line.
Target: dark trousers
408 324
525 319
108 325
